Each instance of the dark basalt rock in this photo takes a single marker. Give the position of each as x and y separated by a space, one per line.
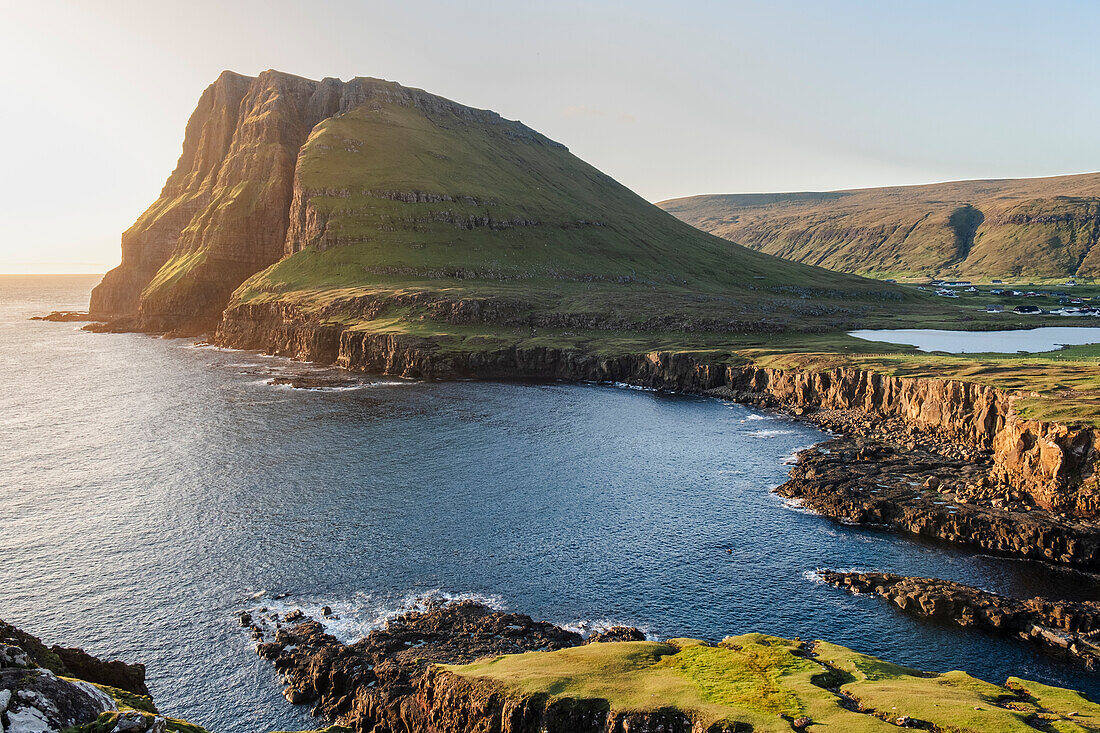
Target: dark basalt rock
615 633
936 490
1069 627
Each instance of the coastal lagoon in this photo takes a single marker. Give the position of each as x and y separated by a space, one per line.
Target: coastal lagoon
1035 340
153 487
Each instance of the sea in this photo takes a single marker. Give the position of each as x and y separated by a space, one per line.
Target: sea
151 488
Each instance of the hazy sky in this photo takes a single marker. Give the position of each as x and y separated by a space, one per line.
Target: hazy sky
670 98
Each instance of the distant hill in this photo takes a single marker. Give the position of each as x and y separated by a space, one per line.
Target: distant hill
1032 227
365 203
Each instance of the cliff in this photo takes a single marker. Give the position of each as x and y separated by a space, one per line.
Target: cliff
222 214
1036 227
313 191
225 211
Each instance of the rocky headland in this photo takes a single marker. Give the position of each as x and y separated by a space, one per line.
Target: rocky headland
503 256
1067 627
462 667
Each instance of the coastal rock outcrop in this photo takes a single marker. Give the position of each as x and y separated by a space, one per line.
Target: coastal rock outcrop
66 690
925 490
388 681
1069 627
72 662
33 698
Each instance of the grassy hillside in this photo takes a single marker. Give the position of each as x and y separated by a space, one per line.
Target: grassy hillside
770 683
1038 227
417 215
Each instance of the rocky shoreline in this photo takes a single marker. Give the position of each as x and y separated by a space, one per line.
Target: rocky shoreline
936 492
58 689
386 681
1071 628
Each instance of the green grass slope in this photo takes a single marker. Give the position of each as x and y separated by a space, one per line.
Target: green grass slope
768 683
1038 227
421 207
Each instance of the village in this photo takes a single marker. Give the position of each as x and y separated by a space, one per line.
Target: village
1083 302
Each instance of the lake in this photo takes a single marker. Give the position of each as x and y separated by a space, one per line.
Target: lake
1049 338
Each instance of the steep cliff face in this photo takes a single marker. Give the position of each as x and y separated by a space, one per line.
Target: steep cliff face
1055 464
223 213
1040 227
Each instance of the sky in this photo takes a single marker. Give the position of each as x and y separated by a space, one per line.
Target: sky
670 98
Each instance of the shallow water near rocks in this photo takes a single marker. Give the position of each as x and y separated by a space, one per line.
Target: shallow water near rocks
1049 338
149 489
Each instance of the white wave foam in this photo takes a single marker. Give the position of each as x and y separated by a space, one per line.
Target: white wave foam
637 387
795 505
770 433
354 618
814 576
587 627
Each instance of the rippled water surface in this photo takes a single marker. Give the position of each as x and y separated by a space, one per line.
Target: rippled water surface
149 488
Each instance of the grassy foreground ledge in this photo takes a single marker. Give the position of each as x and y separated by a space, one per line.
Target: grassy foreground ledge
774 684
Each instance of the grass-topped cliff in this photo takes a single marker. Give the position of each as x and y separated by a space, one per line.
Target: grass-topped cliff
764 683
374 206
1036 227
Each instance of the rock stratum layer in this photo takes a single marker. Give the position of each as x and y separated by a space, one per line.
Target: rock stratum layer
1037 227
1072 627
466 667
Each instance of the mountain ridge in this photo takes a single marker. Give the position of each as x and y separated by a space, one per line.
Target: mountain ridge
1004 227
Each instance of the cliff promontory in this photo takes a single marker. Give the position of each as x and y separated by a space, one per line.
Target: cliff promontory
364 202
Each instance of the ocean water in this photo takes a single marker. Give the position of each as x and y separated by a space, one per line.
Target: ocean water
1035 340
149 488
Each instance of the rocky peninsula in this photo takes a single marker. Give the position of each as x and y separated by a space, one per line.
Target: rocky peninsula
460 667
